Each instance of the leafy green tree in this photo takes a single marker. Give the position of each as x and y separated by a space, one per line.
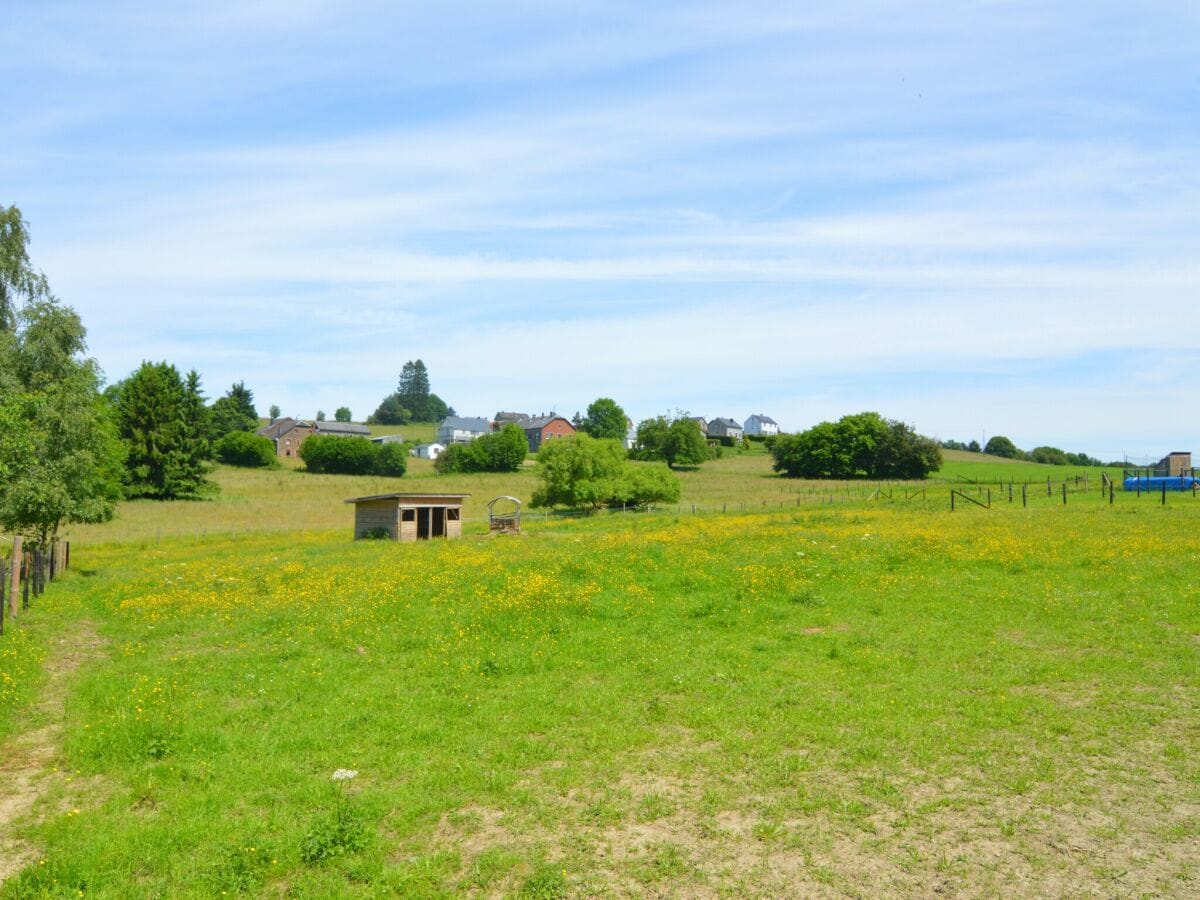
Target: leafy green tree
1051 456
274 412
862 445
160 418
685 444
320 415
605 419
233 412
18 278
391 412
241 448
391 460
60 459
652 438
974 447
579 471
677 441
583 472
999 445
341 414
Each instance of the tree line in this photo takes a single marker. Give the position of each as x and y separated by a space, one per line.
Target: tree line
999 445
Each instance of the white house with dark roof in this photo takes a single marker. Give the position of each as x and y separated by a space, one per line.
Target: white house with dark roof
461 430
761 425
728 428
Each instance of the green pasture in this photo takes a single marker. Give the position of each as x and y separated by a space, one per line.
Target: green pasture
821 695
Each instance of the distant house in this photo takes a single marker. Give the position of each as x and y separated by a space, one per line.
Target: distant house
461 430
725 428
761 425
630 434
287 434
540 429
703 423
388 439
427 451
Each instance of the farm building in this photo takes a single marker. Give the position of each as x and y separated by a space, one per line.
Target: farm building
388 439
408 517
287 434
761 425
461 430
1177 462
540 429
427 451
727 428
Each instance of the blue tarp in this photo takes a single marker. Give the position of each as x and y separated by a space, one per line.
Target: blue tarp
1158 482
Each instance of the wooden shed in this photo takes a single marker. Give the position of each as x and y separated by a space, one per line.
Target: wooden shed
408 517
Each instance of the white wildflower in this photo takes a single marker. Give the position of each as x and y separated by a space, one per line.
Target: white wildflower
344 774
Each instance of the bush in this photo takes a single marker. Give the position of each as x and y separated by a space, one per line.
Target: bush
583 472
390 459
502 451
641 485
240 448
338 455
863 445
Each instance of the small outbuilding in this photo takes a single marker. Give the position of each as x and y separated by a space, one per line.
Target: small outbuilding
408 517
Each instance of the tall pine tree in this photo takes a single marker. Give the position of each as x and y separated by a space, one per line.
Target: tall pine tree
164 424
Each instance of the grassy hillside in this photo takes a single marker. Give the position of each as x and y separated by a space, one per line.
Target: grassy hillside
860 699
962 465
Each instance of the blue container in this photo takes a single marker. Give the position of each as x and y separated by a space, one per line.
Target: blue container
1150 483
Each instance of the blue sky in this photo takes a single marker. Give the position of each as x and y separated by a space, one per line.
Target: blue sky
979 217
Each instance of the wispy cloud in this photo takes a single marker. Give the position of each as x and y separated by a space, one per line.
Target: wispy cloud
955 213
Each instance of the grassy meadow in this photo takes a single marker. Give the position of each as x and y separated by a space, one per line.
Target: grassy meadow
817 695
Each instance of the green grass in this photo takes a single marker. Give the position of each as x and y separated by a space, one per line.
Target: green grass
863 697
962 465
848 694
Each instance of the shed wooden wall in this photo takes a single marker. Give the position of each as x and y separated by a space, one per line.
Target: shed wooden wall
377 514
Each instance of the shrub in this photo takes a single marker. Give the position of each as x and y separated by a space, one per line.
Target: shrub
338 455
856 446
583 472
502 451
241 448
391 459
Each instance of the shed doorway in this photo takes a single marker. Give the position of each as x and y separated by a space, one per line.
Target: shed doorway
431 522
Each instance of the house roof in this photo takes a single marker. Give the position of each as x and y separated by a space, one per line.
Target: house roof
540 422
280 427
727 423
347 428
510 417
766 420
463 423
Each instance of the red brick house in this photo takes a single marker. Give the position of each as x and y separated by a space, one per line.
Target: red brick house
540 429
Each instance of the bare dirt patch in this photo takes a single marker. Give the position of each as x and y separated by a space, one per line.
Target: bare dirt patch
27 758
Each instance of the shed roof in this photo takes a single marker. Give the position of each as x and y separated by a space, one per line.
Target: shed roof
415 499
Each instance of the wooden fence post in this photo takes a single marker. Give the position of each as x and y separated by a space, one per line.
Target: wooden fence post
1164 493
25 590
1064 493
3 594
14 576
1024 495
